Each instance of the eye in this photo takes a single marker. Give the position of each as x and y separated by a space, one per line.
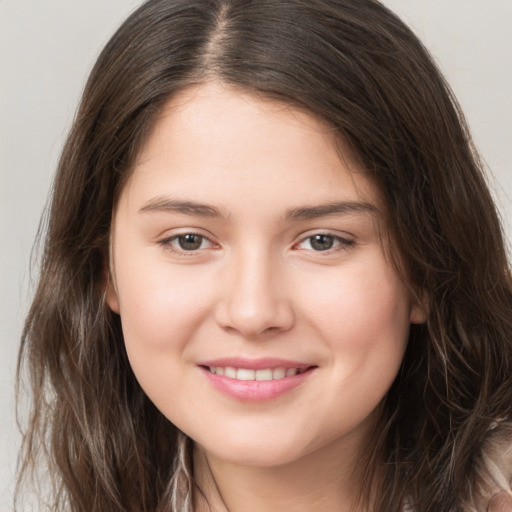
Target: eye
187 242
190 241
323 242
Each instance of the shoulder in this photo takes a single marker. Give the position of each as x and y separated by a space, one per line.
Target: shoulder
493 471
490 478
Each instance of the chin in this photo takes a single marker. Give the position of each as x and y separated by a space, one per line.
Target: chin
265 458
266 450
260 451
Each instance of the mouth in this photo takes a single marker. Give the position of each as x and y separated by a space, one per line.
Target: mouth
247 374
255 380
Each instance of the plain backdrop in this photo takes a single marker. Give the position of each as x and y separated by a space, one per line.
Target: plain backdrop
47 48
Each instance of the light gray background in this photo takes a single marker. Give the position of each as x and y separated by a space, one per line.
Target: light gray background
47 48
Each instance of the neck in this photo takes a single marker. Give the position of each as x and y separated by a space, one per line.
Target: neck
328 479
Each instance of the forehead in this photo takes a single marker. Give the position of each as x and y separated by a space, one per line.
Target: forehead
216 141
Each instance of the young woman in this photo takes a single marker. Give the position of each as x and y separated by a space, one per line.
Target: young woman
274 277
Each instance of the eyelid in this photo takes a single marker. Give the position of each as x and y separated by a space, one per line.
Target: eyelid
166 242
345 241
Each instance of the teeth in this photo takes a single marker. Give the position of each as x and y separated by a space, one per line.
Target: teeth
242 374
263 374
230 372
279 373
260 375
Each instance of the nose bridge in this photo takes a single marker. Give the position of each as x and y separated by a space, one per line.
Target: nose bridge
256 300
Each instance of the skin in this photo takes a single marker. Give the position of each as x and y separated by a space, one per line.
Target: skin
501 502
257 287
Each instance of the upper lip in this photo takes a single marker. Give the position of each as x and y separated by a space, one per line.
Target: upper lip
254 364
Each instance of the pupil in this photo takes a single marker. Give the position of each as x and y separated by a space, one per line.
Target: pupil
322 242
190 242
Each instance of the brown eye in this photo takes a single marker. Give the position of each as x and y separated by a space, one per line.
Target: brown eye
325 242
190 241
187 244
321 242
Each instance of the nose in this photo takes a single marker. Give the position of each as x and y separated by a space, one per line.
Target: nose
256 300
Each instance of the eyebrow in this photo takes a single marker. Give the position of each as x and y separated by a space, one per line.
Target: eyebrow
323 210
162 204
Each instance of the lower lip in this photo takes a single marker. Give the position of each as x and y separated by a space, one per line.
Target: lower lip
255 390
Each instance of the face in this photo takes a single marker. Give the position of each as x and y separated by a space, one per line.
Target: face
260 312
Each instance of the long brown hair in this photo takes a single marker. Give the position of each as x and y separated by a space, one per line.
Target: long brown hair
355 65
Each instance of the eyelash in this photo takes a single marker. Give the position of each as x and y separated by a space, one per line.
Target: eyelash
167 243
339 243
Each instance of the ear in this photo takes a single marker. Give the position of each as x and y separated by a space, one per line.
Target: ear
109 287
419 308
111 295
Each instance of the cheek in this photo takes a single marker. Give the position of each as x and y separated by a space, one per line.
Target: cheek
161 309
162 313
363 318
363 322
364 298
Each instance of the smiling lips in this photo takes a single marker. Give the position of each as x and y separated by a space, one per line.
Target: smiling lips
264 374
255 381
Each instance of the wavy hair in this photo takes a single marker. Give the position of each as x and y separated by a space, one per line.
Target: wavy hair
355 65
